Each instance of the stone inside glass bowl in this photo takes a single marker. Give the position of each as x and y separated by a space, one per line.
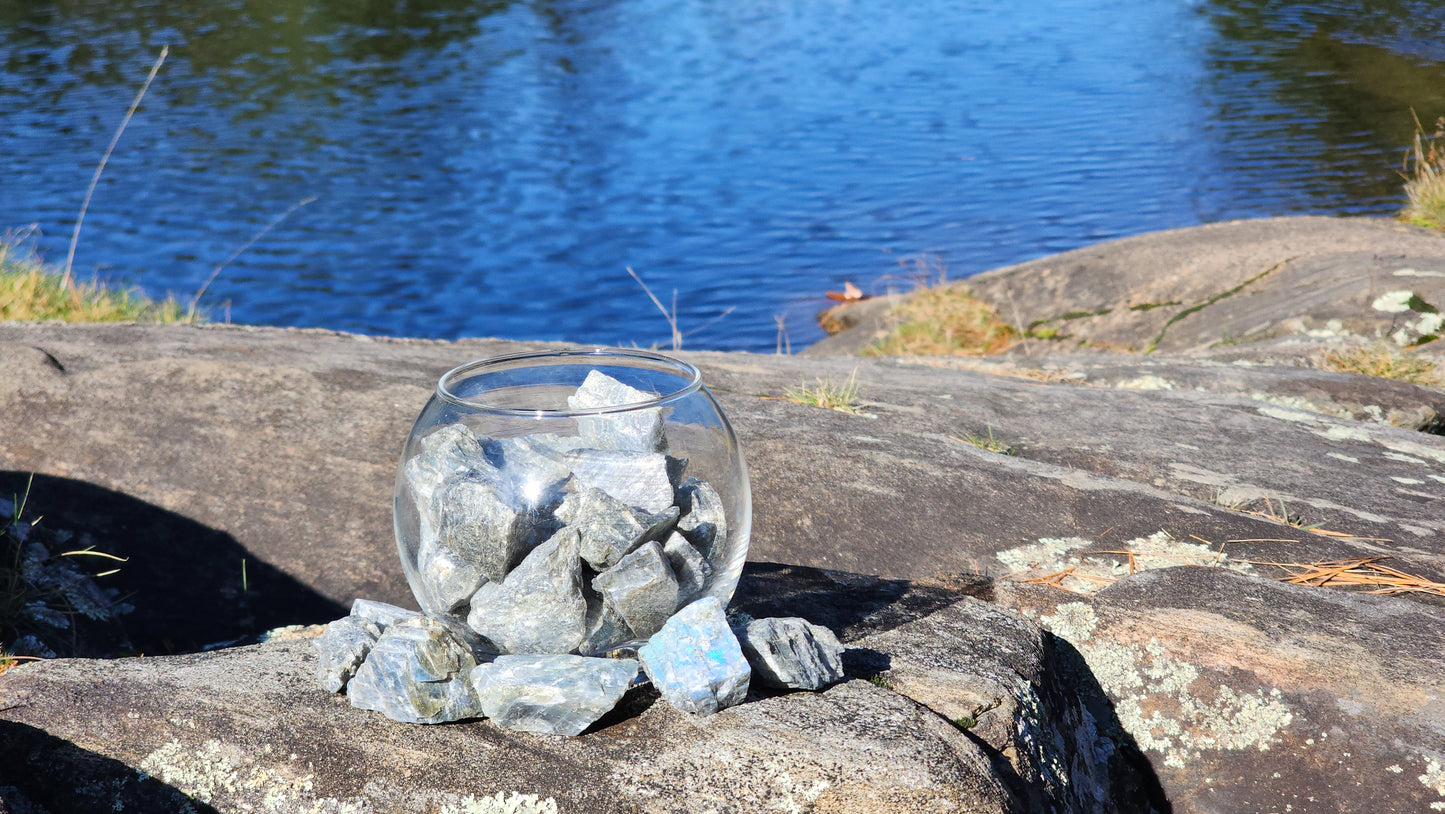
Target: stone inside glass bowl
570 501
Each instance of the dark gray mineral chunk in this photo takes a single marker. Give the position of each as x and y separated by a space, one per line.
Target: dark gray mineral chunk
477 532
446 452
632 430
448 578
552 694
703 520
695 660
341 648
638 479
379 612
792 653
417 672
688 565
605 630
640 588
539 607
610 528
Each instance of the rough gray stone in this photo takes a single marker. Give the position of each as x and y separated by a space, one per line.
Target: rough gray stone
610 528
539 607
532 465
605 629
341 648
634 430
792 653
703 521
689 567
417 672
695 660
446 452
554 694
638 479
381 613
641 588
477 537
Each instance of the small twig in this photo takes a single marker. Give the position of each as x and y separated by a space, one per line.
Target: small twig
65 277
785 344
195 301
670 317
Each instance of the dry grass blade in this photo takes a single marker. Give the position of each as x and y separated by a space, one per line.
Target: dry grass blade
66 277
1360 572
841 397
195 301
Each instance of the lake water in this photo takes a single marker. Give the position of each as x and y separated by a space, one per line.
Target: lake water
492 168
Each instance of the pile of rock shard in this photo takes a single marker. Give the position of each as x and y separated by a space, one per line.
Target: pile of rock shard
541 556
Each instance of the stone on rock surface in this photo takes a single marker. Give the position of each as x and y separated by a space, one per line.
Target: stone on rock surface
703 520
610 528
379 612
552 694
634 430
477 534
448 579
688 565
792 653
605 629
639 479
342 648
448 451
641 588
417 672
695 660
539 607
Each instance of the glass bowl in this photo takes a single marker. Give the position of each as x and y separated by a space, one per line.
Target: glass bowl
570 501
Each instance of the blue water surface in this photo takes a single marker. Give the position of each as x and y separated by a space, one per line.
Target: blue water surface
493 168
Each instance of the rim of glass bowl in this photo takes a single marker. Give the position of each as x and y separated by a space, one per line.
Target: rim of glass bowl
682 369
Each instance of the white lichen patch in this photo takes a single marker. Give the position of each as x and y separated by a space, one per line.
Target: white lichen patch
1147 382
1434 777
1393 302
213 771
1158 700
498 803
1092 572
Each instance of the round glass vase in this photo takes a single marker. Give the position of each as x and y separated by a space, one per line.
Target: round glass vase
570 501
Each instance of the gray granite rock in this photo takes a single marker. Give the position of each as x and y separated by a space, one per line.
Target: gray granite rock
695 660
688 565
703 519
417 672
381 613
633 430
539 607
446 452
639 479
606 629
792 653
342 648
641 588
610 528
552 694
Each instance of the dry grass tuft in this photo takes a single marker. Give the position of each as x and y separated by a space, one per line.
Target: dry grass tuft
31 291
841 397
1361 572
1385 362
987 443
1425 178
944 320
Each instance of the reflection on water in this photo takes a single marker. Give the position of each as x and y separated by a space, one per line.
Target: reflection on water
493 168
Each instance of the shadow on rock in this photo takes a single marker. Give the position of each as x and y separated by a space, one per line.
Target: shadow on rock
1129 781
851 605
190 585
43 774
